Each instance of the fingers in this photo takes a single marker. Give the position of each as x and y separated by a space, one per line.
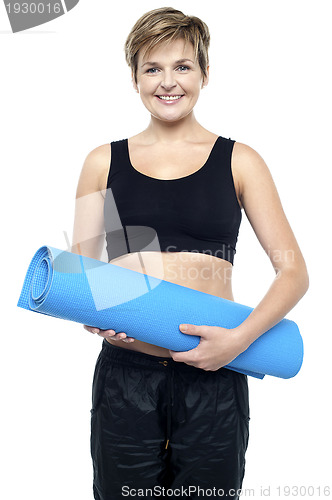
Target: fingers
109 334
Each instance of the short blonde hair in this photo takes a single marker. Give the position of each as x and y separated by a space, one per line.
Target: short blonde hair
167 24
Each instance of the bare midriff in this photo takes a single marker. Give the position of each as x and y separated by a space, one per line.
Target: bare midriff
198 271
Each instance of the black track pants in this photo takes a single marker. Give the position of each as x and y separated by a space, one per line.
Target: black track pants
159 425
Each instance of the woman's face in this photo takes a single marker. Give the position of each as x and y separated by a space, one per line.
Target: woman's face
169 80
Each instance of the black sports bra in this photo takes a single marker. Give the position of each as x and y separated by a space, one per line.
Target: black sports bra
196 213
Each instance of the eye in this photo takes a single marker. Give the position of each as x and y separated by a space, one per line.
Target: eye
152 70
183 68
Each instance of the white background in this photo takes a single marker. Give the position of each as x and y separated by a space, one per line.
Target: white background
65 89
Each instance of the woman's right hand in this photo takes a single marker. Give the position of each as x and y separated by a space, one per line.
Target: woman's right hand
109 334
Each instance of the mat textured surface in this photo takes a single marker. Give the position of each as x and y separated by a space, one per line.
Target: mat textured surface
68 286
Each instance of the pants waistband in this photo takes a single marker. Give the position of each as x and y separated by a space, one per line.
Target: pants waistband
124 355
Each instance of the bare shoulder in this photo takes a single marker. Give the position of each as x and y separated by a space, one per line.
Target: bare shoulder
245 158
249 169
100 152
95 171
98 160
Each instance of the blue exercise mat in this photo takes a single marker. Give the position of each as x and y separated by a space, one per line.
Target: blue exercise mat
69 286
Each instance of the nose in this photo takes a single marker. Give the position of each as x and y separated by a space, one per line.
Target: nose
168 81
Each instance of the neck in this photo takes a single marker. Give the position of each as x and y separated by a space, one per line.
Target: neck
186 129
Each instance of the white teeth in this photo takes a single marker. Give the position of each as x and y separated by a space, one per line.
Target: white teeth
169 97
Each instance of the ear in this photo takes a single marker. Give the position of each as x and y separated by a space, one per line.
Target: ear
134 83
205 80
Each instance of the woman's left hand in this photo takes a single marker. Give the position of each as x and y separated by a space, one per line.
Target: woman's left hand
218 346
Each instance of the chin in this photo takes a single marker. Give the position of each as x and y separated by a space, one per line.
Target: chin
170 118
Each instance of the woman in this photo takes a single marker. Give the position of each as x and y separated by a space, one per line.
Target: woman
160 418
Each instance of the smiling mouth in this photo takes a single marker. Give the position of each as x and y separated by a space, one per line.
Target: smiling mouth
169 98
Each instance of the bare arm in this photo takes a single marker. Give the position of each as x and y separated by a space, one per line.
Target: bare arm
89 232
263 208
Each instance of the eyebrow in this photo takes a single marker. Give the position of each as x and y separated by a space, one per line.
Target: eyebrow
180 61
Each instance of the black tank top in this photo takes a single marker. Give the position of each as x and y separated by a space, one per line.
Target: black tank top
196 213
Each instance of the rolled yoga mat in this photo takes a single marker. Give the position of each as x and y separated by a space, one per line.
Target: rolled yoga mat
69 286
